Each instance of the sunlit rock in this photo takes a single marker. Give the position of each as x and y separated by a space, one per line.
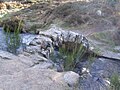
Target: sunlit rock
71 78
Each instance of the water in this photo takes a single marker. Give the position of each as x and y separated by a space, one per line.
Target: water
14 44
3 45
8 42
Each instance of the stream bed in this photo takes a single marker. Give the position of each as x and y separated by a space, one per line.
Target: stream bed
93 75
2 40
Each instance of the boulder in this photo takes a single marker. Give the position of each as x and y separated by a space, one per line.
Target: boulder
11 66
59 35
33 79
71 78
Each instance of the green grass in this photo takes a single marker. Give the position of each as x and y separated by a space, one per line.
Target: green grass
72 52
105 37
115 82
13 39
71 57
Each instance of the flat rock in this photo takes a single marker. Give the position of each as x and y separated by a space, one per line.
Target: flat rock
7 55
44 65
33 79
11 66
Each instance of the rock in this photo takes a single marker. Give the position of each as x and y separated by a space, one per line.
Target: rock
33 43
9 67
32 59
27 39
99 12
33 79
44 65
37 43
27 60
62 39
59 67
33 49
117 48
93 83
66 36
85 71
71 78
7 55
99 72
29 72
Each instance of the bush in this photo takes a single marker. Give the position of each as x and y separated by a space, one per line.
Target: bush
72 52
13 40
12 24
115 82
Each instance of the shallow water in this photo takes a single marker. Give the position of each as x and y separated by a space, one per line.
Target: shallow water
25 39
3 45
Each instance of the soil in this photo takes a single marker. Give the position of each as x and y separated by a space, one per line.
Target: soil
80 15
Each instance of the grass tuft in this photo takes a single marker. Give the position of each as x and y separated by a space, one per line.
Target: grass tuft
72 56
13 39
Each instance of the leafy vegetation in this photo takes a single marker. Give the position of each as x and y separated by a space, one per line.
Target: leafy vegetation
13 24
13 39
115 82
72 55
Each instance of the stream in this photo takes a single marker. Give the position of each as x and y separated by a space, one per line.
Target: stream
2 40
93 75
7 45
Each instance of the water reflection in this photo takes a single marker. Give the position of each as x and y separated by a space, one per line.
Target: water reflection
3 46
9 41
13 42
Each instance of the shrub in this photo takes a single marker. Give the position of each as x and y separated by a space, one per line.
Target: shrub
72 54
13 24
115 82
13 39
